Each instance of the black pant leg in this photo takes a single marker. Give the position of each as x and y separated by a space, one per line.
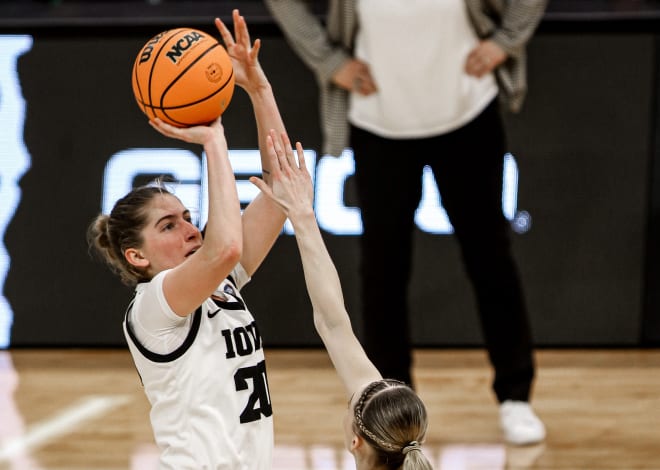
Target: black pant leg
389 189
469 175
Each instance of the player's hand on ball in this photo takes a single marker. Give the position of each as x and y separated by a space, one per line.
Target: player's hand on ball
195 135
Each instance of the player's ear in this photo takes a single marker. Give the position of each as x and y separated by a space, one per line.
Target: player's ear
356 443
136 258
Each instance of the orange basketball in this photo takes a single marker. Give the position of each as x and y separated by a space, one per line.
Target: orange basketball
183 76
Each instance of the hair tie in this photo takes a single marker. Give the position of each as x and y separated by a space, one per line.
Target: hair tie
414 445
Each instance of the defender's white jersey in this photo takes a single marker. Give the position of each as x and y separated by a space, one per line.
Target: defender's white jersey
211 406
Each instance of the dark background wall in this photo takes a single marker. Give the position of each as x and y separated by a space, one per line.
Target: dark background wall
585 146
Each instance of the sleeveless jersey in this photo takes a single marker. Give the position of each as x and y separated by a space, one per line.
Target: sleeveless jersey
210 404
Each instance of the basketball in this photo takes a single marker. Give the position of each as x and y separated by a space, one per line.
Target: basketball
184 77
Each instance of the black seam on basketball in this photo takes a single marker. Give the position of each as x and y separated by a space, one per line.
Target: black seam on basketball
140 100
152 106
173 32
138 95
172 108
165 109
183 72
141 103
191 103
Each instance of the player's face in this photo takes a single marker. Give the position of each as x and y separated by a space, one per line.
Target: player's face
169 236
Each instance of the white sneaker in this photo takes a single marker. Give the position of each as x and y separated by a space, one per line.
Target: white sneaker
520 424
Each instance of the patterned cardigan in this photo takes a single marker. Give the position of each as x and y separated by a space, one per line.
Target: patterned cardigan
509 23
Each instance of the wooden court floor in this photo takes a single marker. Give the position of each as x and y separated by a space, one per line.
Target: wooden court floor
84 409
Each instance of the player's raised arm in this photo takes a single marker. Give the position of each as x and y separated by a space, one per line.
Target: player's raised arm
291 188
262 219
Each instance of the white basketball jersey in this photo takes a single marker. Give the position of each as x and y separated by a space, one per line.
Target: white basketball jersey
210 401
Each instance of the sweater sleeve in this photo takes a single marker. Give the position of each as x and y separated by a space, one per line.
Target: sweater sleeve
308 37
519 20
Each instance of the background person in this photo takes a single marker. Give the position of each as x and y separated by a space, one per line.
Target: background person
415 84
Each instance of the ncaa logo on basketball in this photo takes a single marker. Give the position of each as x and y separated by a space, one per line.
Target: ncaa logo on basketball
183 45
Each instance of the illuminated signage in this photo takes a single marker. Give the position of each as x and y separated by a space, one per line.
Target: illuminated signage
330 176
14 157
125 167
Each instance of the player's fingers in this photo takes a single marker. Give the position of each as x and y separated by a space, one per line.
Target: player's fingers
283 163
240 28
245 33
236 18
163 127
227 38
301 157
288 151
261 184
254 52
273 157
277 145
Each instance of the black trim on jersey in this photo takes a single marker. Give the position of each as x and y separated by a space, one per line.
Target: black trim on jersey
236 305
235 302
178 352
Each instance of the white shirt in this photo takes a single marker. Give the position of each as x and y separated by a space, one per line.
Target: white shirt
416 51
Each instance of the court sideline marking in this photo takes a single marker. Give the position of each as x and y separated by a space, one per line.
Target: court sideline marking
66 421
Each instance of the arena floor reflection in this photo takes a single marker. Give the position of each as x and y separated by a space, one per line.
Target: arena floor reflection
84 409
